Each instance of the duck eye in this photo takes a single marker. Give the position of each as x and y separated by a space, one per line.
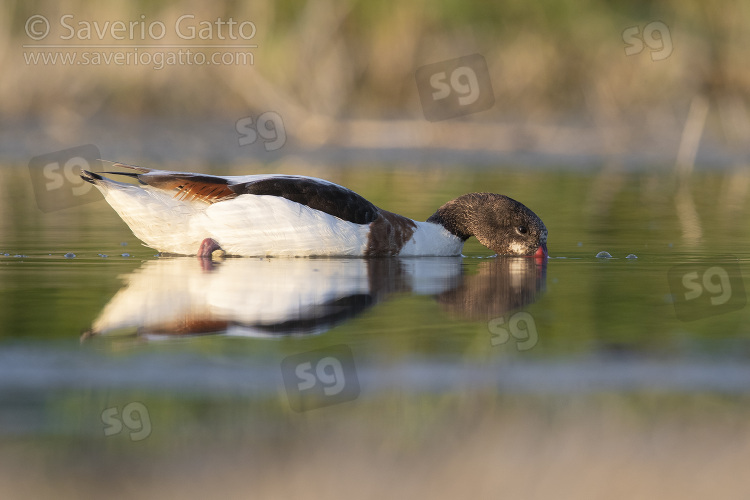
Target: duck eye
522 229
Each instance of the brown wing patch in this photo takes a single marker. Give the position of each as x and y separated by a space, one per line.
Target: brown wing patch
388 234
191 187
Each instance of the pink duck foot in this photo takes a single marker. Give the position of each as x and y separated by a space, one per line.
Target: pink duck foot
208 247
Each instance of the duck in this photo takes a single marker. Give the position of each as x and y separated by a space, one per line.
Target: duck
278 215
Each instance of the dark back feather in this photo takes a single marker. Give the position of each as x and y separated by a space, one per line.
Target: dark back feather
326 197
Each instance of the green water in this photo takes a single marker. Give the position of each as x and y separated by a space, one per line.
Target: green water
128 363
46 296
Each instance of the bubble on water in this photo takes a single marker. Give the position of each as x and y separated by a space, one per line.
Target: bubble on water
124 244
6 254
603 255
102 255
70 255
631 256
126 255
19 256
580 243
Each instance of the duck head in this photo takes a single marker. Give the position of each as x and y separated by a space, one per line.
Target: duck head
500 223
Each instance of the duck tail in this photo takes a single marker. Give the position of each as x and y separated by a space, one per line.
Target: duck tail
138 170
91 177
97 178
142 170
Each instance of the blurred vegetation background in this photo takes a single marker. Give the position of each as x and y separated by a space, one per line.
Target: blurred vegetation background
342 72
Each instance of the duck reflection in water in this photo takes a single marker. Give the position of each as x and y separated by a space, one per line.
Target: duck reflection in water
181 296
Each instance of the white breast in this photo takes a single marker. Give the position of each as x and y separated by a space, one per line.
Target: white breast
432 239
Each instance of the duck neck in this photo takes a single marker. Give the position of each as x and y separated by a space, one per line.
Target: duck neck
454 218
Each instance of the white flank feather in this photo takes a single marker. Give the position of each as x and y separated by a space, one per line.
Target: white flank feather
248 225
269 225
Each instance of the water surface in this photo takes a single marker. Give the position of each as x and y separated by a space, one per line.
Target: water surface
126 361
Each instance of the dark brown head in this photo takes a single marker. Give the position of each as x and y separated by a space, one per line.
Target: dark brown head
500 223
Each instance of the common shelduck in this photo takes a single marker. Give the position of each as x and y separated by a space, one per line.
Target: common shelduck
287 215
